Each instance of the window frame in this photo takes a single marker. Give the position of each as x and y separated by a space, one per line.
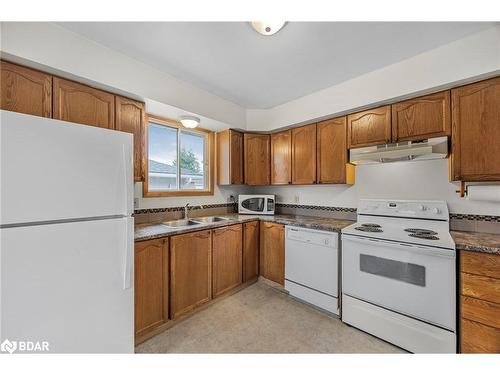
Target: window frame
145 159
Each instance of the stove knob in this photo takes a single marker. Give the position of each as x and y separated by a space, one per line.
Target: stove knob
421 207
436 210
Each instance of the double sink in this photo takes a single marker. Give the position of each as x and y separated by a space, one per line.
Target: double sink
182 223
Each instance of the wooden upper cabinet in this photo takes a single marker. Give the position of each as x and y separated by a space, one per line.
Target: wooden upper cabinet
130 118
190 271
281 158
82 104
257 159
25 90
226 259
332 151
476 131
230 157
304 154
420 118
272 252
151 285
369 128
250 250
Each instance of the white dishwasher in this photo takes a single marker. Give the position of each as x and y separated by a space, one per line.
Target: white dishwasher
312 266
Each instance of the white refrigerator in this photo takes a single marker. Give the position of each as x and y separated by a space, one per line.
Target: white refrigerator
66 235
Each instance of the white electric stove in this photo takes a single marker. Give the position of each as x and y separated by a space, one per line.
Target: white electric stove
399 274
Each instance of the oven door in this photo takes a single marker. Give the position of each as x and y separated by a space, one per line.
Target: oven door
413 280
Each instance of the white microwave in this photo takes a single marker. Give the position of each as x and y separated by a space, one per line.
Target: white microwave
256 204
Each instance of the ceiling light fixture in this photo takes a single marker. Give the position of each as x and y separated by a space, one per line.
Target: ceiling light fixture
189 121
267 28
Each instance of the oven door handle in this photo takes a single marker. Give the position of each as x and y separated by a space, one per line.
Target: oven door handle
445 253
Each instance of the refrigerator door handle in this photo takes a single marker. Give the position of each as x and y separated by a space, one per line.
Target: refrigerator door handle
128 178
128 267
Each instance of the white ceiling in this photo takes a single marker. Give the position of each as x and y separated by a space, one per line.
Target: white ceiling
231 60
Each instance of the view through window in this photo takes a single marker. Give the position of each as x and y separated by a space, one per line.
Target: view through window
177 158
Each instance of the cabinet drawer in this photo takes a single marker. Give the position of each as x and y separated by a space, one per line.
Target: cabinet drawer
478 338
482 287
481 311
480 264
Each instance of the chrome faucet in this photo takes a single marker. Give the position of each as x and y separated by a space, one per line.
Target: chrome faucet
186 210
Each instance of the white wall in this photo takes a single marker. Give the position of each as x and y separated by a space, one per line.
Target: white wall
54 49
473 56
404 180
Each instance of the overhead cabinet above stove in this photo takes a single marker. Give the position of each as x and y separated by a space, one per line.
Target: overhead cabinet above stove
415 119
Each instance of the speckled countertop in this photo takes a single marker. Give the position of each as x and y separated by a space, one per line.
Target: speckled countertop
150 231
476 241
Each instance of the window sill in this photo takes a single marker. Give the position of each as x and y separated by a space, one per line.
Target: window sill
177 193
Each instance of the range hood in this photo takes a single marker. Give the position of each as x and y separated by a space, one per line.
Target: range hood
432 148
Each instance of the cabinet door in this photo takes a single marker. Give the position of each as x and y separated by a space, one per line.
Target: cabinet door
229 157
130 119
250 250
25 90
272 252
281 158
369 128
421 118
304 155
236 157
151 285
332 151
257 159
226 259
82 104
476 131
190 271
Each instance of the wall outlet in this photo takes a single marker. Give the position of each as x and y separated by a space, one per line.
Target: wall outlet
296 199
136 202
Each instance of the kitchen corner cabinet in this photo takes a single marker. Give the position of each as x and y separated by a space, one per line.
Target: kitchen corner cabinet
25 90
479 302
257 159
420 118
151 285
304 154
226 259
82 104
129 118
272 252
250 250
281 158
190 271
229 157
332 151
476 132
369 128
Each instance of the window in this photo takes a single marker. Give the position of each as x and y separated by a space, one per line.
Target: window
179 160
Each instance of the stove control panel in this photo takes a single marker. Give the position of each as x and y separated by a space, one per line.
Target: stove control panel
435 210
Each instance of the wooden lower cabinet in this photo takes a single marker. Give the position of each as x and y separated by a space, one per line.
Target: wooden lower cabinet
272 252
190 271
151 285
479 302
250 251
226 259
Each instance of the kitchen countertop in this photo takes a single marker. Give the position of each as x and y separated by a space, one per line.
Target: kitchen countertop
145 232
476 241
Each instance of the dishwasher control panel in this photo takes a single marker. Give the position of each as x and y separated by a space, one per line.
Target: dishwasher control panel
312 236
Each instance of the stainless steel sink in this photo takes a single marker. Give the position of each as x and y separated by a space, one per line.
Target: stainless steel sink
180 223
209 219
